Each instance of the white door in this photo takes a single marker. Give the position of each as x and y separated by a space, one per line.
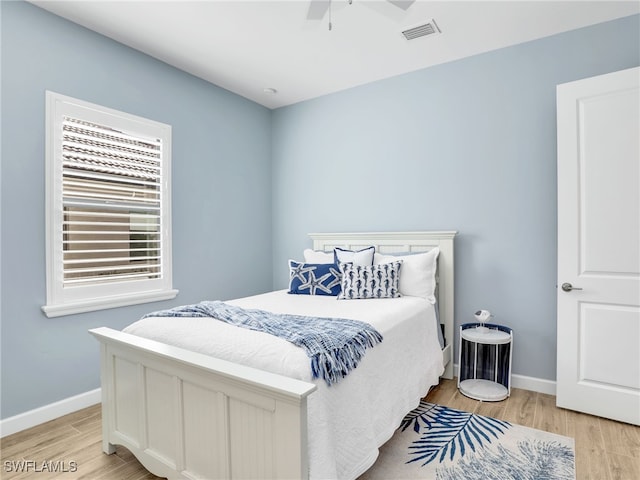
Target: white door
598 369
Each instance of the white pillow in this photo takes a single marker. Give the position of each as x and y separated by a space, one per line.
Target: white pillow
418 273
363 258
317 256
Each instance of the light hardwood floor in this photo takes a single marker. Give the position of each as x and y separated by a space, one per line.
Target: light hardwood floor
605 450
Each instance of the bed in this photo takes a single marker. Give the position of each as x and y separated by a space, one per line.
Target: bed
188 407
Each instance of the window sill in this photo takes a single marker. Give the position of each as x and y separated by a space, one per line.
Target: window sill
71 308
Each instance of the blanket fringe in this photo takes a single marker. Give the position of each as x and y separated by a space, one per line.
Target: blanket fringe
334 365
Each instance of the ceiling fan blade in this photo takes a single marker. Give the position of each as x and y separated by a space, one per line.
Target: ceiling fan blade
403 4
317 9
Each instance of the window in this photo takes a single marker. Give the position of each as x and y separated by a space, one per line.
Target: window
108 208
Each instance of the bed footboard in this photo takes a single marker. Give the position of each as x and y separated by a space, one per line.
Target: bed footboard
186 415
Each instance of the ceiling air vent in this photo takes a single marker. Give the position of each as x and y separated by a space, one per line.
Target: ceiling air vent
423 30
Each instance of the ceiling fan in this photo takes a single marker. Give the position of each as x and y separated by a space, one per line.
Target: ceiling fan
318 8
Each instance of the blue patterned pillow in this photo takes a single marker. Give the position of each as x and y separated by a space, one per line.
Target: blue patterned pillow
314 278
376 281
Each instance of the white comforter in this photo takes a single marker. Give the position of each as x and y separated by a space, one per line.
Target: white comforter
350 420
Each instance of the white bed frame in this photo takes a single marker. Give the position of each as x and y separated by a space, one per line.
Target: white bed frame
185 415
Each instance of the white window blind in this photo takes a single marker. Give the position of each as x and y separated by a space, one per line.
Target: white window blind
111 199
109 222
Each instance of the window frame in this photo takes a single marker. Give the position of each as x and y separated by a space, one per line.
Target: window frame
66 300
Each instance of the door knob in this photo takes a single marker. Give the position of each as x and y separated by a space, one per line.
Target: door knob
567 287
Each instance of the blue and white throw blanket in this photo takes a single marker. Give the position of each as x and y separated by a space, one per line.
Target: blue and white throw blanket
334 345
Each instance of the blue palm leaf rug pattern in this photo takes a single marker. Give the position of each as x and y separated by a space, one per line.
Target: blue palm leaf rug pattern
440 443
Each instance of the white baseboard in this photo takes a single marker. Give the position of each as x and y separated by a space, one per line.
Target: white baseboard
534 384
43 414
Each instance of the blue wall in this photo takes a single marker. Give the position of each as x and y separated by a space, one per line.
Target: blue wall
221 193
468 146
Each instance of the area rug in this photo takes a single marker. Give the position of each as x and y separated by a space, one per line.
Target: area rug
440 443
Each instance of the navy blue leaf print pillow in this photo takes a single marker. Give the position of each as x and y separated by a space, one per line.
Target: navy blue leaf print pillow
314 278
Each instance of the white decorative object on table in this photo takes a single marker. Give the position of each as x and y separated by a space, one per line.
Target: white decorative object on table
482 316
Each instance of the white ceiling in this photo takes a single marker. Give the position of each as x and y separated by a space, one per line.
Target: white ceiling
247 46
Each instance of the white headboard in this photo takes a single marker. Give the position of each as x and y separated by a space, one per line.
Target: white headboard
398 242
